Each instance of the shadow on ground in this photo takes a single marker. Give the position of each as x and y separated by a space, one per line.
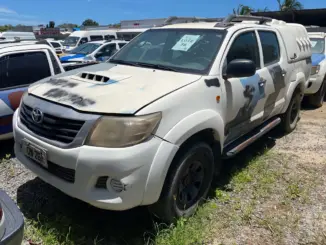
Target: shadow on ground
6 147
84 224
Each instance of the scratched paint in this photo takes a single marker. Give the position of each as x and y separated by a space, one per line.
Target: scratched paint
63 95
62 83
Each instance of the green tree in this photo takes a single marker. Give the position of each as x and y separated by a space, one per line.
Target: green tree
90 22
51 24
287 5
242 10
67 25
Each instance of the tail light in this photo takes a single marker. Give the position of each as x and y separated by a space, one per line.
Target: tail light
1 213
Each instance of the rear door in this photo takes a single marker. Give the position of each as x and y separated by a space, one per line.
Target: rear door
273 72
17 72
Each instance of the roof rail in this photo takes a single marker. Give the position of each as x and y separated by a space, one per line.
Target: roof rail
237 18
169 20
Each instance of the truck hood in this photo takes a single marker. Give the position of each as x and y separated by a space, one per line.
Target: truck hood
119 89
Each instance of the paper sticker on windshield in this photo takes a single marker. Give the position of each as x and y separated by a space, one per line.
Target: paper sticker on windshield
313 43
185 42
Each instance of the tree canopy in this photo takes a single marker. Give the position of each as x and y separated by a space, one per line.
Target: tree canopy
287 5
90 22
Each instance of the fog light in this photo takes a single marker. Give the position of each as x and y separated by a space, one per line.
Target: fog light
117 185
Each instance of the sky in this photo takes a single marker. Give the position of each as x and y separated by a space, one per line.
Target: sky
35 12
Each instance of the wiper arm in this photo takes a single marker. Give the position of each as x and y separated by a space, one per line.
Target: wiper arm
123 62
156 66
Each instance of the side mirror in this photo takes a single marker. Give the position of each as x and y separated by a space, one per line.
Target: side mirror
99 54
240 68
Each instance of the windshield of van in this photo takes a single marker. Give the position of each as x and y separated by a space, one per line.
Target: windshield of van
181 50
317 45
86 48
71 41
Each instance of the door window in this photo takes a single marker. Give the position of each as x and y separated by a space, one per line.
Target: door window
270 45
106 51
23 69
83 40
245 46
121 45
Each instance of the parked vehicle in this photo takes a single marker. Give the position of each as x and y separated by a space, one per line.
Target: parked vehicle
21 64
11 221
150 126
80 37
93 51
316 86
12 35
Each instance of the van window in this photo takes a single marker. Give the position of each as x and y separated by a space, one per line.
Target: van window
245 46
271 48
23 69
96 38
109 37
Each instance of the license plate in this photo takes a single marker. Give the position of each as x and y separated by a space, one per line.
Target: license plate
35 152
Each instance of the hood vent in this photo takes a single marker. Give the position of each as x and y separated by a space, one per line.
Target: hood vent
94 77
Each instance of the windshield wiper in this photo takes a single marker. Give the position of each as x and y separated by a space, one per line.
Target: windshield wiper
156 66
123 62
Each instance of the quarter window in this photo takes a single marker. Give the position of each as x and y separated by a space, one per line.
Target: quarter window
271 48
245 46
23 69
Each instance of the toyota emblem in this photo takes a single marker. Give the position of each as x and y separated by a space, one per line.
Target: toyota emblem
37 115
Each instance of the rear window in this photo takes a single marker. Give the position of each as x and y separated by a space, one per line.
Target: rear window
55 45
23 69
317 45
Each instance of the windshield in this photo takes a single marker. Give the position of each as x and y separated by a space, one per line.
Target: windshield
318 45
85 48
71 41
181 50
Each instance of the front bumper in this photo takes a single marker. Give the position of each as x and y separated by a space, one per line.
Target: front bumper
13 222
131 166
314 84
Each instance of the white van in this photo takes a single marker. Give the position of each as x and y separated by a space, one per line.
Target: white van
128 34
79 37
11 35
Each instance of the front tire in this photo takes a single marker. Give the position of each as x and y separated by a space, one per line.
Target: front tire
187 183
292 115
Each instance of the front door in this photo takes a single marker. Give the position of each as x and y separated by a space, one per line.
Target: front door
245 96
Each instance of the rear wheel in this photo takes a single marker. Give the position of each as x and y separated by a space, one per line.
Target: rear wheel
187 183
292 115
317 99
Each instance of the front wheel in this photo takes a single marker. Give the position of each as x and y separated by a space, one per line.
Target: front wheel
292 115
187 183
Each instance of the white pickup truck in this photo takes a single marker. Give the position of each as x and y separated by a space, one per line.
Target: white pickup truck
316 86
150 126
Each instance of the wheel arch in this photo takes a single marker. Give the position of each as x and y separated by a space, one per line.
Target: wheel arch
199 130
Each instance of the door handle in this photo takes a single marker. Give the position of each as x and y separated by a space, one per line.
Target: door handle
262 82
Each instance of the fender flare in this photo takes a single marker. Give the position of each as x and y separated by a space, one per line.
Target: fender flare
183 130
300 82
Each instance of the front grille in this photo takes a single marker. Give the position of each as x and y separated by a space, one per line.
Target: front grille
53 128
101 182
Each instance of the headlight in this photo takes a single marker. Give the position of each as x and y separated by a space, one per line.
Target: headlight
315 70
116 132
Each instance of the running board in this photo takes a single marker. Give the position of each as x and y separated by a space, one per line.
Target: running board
235 148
